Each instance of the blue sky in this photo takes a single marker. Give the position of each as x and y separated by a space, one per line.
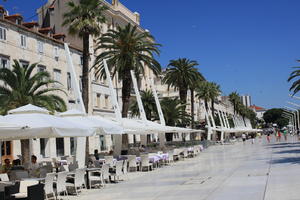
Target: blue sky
245 46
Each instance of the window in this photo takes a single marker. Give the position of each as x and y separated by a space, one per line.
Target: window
73 145
43 143
23 41
102 143
40 47
57 77
69 81
2 33
60 147
81 60
106 101
98 100
80 83
41 68
56 52
4 62
24 63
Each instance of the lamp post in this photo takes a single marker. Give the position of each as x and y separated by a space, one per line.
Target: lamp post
292 113
298 117
290 117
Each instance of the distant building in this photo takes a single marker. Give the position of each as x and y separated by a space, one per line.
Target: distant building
246 100
259 111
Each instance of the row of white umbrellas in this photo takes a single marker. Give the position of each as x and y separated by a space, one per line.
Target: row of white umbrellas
34 122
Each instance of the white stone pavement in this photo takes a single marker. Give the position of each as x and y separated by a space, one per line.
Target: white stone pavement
230 172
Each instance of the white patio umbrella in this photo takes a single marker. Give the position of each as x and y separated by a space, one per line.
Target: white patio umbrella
36 122
103 126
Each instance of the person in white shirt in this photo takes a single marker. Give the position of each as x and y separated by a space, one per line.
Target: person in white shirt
33 167
244 137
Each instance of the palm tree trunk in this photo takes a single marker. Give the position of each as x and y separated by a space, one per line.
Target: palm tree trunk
183 95
25 151
213 108
192 107
85 82
126 89
85 71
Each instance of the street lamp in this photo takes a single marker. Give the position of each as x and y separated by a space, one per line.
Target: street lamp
291 119
298 119
291 113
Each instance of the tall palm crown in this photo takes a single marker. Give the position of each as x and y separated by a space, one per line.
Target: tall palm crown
173 112
296 84
148 103
126 48
84 20
234 98
208 91
181 74
22 87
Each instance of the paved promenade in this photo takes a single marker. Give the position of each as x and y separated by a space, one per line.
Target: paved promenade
230 172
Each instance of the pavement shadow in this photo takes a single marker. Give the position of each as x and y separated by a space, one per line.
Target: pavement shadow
284 145
288 151
289 160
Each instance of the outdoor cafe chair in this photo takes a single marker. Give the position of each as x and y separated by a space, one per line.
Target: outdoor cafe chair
61 187
19 174
170 157
23 189
109 160
105 173
125 167
95 177
79 181
145 162
132 162
48 188
73 166
4 177
97 164
118 170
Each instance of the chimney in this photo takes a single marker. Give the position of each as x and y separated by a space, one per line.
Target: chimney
46 31
137 17
59 36
2 12
16 18
31 25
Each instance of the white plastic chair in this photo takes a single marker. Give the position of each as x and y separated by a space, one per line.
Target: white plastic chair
132 162
4 177
79 181
61 184
170 156
119 170
23 189
105 172
21 174
145 162
96 176
109 160
48 188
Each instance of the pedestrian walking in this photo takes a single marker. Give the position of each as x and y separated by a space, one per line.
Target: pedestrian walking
285 134
268 137
279 135
244 138
252 138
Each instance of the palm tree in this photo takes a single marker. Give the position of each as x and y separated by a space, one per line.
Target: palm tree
148 103
83 20
181 74
126 49
208 91
174 114
234 98
193 86
296 84
22 87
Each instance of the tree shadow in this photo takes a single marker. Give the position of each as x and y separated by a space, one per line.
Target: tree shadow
290 160
288 151
284 145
